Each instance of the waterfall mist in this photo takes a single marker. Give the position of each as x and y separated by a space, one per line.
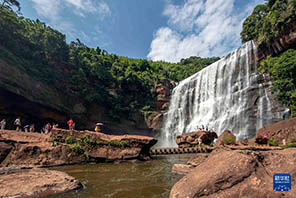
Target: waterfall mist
229 94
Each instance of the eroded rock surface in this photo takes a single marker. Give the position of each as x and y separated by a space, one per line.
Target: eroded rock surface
237 174
281 130
191 139
27 183
64 147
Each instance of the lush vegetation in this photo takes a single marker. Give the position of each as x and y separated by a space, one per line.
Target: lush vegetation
282 70
267 21
272 143
229 140
122 84
264 25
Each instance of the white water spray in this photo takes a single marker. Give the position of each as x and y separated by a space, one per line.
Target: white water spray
229 94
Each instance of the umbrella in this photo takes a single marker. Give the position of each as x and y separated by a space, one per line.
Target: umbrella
99 124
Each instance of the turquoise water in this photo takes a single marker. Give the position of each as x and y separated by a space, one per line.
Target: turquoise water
151 179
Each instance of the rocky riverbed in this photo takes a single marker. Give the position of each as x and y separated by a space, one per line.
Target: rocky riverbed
31 182
227 173
24 156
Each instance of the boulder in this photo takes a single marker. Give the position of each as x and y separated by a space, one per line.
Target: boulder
278 131
191 139
261 140
109 147
226 138
181 169
194 161
198 159
35 182
232 173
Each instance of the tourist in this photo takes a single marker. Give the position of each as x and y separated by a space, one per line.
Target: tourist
17 123
70 124
32 127
54 126
47 128
199 141
26 127
3 124
284 142
98 127
215 141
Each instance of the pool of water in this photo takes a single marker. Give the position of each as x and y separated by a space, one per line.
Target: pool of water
150 179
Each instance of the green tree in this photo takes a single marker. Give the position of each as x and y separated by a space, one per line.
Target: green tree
282 70
11 3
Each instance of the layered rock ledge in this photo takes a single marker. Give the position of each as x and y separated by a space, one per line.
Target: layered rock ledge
64 147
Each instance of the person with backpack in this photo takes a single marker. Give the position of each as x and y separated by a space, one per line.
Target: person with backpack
17 123
70 124
3 124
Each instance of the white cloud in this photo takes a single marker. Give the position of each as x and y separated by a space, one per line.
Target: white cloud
199 28
47 8
53 9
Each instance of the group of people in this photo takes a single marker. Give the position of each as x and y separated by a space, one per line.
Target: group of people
28 127
46 128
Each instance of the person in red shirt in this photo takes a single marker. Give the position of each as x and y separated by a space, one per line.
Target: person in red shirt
70 124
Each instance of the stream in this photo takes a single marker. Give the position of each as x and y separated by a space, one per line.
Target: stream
150 179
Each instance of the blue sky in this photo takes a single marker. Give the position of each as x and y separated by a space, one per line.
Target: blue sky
154 29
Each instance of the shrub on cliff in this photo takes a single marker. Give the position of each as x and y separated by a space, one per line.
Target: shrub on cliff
272 143
228 140
282 70
268 21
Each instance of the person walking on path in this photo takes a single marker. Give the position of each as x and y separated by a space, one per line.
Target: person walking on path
26 128
17 123
71 124
47 128
3 124
32 127
199 142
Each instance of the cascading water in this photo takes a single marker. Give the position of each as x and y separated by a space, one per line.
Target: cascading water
229 94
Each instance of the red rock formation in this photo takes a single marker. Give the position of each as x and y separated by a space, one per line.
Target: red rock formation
226 138
278 131
232 174
35 182
183 169
286 40
191 139
62 147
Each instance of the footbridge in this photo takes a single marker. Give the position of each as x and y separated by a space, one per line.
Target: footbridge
167 151
170 151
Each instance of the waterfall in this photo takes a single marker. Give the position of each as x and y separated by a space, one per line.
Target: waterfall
229 94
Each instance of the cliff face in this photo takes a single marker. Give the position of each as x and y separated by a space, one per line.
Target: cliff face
38 102
286 40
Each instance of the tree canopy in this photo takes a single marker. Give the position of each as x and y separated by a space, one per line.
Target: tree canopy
122 84
267 21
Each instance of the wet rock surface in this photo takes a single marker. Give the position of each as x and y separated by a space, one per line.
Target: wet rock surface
32 182
237 174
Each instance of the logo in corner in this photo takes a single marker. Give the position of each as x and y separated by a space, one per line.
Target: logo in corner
282 182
